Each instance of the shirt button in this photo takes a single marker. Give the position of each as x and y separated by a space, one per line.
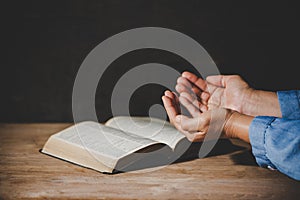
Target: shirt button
270 168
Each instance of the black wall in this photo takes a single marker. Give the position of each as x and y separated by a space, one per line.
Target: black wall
44 42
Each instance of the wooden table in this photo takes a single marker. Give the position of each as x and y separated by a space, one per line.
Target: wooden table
26 173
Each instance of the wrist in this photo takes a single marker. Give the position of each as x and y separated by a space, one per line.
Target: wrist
237 126
229 123
249 102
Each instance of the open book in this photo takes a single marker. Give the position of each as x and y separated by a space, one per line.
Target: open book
121 144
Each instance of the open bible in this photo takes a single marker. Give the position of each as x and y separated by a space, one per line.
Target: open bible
121 144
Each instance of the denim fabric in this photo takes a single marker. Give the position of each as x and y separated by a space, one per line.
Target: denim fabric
276 141
289 104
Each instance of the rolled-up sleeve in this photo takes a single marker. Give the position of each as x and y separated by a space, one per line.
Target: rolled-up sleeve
289 102
276 144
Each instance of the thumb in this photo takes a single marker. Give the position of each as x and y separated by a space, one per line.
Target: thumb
217 80
189 124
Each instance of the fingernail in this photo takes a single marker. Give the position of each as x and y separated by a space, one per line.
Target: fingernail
178 118
185 74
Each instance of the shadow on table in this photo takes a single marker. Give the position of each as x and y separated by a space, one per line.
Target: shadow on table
244 158
160 155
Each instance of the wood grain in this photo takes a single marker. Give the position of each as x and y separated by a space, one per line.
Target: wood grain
25 173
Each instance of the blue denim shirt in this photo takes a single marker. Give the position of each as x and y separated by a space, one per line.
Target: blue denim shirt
276 141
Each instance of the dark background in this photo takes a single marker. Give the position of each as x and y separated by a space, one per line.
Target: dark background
43 44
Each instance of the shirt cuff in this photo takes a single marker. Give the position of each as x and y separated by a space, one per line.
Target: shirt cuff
257 131
289 104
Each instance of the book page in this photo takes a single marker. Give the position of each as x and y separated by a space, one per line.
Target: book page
152 128
105 142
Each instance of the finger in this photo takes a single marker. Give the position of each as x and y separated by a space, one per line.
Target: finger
188 96
198 104
174 99
178 126
170 108
196 137
195 112
185 82
204 97
194 92
199 82
212 106
176 102
191 136
217 80
169 94
196 124
182 88
184 85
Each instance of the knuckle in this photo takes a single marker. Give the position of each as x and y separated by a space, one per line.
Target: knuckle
236 77
191 138
178 87
179 79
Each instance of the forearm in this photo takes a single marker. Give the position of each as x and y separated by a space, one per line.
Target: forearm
237 126
261 103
